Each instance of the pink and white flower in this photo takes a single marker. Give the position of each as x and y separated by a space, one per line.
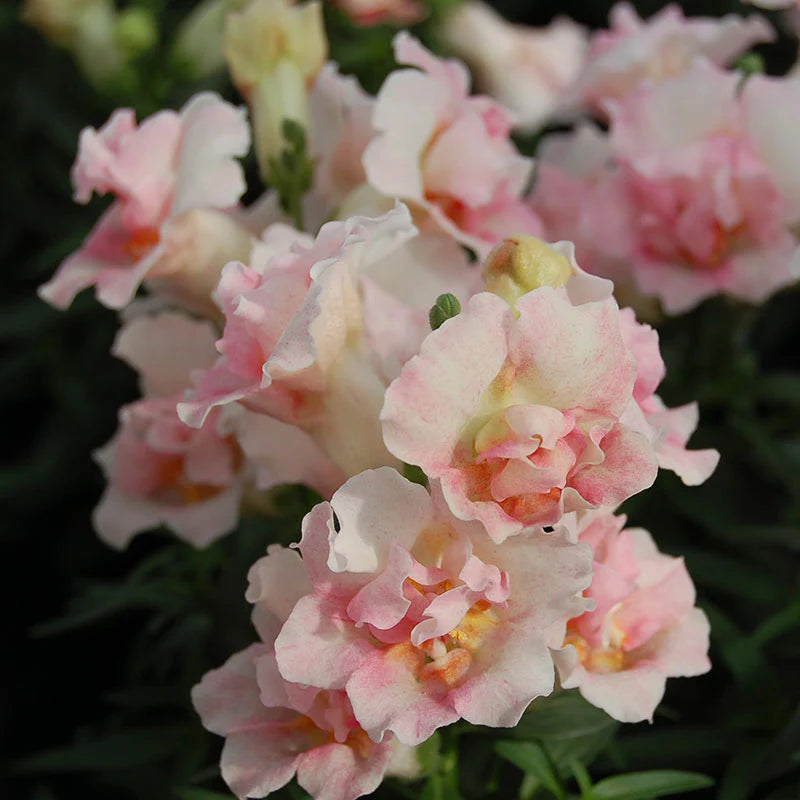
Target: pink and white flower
282 453
314 330
644 627
421 619
429 128
580 197
668 428
663 47
274 729
714 205
527 69
173 178
340 128
520 264
521 413
160 471
698 193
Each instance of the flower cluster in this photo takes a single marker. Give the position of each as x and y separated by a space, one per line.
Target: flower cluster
692 191
291 340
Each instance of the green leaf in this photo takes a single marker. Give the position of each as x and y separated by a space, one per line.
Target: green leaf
736 576
532 759
673 745
646 785
562 716
582 778
428 753
779 387
568 726
131 748
741 655
441 787
443 784
777 625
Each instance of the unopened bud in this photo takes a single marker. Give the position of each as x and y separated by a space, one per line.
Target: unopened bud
274 51
87 28
58 20
750 64
198 42
520 264
136 30
446 306
268 32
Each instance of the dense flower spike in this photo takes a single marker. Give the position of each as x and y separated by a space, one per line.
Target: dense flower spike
159 471
420 618
643 629
411 323
420 157
522 418
173 178
660 48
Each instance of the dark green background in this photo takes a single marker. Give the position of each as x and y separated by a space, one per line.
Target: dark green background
95 704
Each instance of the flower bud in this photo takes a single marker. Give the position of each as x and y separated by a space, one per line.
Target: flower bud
274 51
198 42
87 28
520 264
750 64
58 20
136 30
446 306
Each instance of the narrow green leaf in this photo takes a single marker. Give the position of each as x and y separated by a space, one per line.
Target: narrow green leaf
733 575
532 759
441 787
673 745
742 656
131 748
646 785
777 625
562 716
583 779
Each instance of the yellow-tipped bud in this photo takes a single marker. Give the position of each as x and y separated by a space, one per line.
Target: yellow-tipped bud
268 32
520 264
274 51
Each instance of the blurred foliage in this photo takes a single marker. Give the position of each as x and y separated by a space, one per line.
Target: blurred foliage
104 646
